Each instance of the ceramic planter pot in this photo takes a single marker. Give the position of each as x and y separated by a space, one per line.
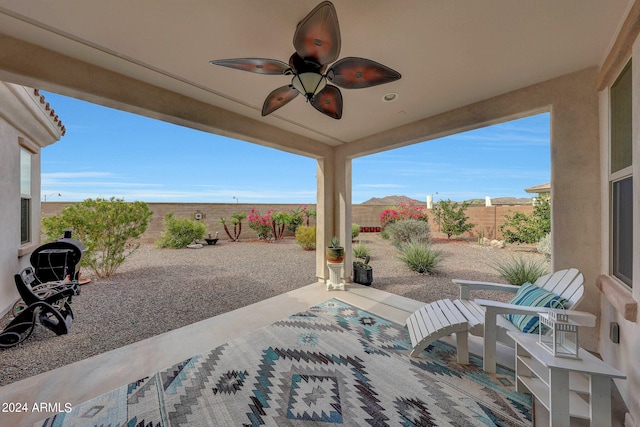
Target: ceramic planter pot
335 255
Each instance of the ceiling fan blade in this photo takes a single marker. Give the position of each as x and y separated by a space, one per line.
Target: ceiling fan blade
356 73
278 98
328 101
254 65
317 36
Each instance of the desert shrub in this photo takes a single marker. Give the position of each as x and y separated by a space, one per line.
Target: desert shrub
355 231
408 230
179 232
361 251
544 246
420 257
520 269
108 228
522 228
451 218
306 237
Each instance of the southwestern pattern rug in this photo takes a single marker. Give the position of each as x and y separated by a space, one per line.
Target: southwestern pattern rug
333 364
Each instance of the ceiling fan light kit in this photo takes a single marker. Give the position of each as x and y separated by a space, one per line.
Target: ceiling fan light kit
317 44
309 84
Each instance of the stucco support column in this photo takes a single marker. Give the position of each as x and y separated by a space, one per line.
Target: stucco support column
575 195
333 210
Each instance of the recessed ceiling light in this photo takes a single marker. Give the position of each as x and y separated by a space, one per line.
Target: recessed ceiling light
390 97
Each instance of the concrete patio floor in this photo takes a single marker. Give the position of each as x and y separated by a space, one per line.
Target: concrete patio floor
91 377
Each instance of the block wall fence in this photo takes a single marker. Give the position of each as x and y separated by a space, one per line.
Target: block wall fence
484 218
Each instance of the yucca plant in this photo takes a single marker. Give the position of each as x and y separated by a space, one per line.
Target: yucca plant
362 254
361 251
520 269
420 257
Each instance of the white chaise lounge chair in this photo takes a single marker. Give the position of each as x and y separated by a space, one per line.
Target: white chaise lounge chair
481 317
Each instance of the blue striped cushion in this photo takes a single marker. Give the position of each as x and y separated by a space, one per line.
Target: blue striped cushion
533 296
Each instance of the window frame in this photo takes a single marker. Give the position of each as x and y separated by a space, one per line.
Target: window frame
26 234
618 176
615 232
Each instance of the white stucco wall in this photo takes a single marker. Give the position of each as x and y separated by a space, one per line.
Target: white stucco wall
25 121
623 355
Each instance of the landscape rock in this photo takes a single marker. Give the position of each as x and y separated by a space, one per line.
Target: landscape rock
497 243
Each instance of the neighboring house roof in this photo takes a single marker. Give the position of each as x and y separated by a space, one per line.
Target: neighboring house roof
52 114
542 188
25 108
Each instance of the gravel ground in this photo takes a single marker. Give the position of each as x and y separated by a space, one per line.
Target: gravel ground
158 290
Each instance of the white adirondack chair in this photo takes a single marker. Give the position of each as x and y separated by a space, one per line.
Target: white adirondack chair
481 317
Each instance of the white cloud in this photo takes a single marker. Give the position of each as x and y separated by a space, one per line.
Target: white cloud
76 175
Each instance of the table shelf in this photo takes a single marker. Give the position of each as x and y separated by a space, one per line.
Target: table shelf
573 381
578 406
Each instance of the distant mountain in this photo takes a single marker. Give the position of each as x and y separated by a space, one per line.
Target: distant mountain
391 200
511 201
396 200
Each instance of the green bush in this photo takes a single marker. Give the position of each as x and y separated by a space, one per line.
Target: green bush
544 246
298 217
520 269
407 230
306 237
179 232
420 257
521 228
108 228
451 218
355 231
361 251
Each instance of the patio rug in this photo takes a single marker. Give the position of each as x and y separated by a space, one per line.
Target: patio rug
333 364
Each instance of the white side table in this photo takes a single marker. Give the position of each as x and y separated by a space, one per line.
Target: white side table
568 388
335 276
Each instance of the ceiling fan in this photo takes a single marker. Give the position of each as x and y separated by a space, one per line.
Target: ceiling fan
317 44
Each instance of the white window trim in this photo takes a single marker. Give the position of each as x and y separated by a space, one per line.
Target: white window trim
31 149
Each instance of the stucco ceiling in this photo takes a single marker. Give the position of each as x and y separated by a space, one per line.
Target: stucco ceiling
450 53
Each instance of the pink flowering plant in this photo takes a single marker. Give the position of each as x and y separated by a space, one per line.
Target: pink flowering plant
388 216
404 211
273 224
261 224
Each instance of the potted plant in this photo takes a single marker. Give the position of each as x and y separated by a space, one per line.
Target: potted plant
335 252
211 240
362 271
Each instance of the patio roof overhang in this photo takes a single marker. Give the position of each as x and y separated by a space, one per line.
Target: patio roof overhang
153 59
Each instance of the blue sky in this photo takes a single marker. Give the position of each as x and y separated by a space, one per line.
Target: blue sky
107 152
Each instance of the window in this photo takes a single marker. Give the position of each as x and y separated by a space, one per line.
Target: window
621 121
25 196
621 179
622 233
